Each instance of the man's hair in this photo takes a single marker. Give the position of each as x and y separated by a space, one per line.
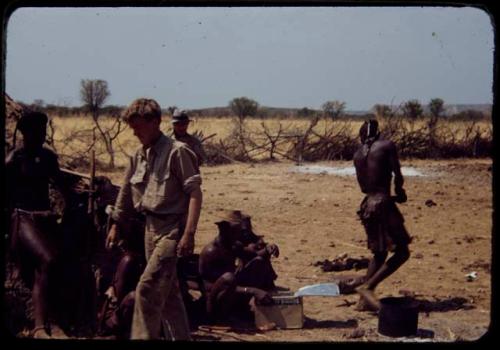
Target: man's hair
143 108
369 130
32 120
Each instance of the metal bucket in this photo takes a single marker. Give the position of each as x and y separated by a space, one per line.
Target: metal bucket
398 317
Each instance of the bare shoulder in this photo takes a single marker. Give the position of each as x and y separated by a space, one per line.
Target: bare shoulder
386 145
49 153
357 158
208 249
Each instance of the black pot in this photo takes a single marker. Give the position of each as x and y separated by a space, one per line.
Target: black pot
398 317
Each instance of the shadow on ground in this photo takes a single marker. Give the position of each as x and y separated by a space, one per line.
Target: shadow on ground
443 305
310 323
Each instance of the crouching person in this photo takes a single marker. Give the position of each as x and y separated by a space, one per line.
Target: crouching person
115 317
229 285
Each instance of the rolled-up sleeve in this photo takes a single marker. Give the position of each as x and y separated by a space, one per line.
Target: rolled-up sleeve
186 169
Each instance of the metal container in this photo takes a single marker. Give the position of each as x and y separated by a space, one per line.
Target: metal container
398 317
286 312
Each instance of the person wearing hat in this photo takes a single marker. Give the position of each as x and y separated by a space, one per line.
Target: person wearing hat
375 162
180 123
230 286
163 183
29 171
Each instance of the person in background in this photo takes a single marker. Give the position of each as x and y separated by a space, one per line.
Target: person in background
180 124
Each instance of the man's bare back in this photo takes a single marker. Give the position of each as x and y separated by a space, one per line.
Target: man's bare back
375 164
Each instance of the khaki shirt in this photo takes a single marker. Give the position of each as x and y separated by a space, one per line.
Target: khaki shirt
158 181
195 146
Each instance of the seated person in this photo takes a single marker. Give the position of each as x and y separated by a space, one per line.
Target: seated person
255 246
229 285
116 313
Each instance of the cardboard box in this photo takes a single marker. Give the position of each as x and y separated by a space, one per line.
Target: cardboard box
286 312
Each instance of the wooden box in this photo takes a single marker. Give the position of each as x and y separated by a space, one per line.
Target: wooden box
286 312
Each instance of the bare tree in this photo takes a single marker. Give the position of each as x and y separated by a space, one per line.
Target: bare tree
333 109
93 94
412 109
382 111
243 107
436 109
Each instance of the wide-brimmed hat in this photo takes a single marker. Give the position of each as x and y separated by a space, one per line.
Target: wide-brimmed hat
180 116
142 107
32 120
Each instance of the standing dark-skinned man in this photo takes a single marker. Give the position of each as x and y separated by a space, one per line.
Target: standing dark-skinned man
375 162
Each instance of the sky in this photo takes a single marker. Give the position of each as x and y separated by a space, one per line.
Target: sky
197 57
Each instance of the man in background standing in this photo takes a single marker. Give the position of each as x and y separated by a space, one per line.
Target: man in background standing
180 123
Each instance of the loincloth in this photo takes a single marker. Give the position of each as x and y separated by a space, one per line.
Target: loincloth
383 223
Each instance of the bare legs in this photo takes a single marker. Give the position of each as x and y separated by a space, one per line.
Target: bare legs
379 270
220 296
36 243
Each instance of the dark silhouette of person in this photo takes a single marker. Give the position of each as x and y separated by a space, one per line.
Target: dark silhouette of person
230 286
375 162
117 310
30 169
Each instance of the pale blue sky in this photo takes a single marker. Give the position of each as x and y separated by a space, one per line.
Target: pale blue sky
281 57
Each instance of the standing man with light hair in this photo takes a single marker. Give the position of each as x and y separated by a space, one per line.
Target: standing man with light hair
162 182
180 123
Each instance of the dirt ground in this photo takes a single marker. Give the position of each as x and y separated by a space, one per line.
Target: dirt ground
313 218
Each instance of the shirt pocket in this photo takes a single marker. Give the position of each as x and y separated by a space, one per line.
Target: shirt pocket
137 185
159 190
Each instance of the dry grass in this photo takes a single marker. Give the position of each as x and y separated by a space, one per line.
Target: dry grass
73 135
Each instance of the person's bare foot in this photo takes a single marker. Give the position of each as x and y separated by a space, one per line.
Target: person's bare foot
362 305
370 301
40 333
57 332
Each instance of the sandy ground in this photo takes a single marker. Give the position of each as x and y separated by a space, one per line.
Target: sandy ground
312 217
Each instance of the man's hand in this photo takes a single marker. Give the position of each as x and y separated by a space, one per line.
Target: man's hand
262 297
273 249
186 244
111 238
401 196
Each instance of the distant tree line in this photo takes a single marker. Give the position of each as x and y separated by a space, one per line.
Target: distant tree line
418 130
412 109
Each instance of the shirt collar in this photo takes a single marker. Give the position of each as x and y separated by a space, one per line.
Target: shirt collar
156 147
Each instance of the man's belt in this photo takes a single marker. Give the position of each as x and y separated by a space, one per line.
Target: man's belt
156 215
